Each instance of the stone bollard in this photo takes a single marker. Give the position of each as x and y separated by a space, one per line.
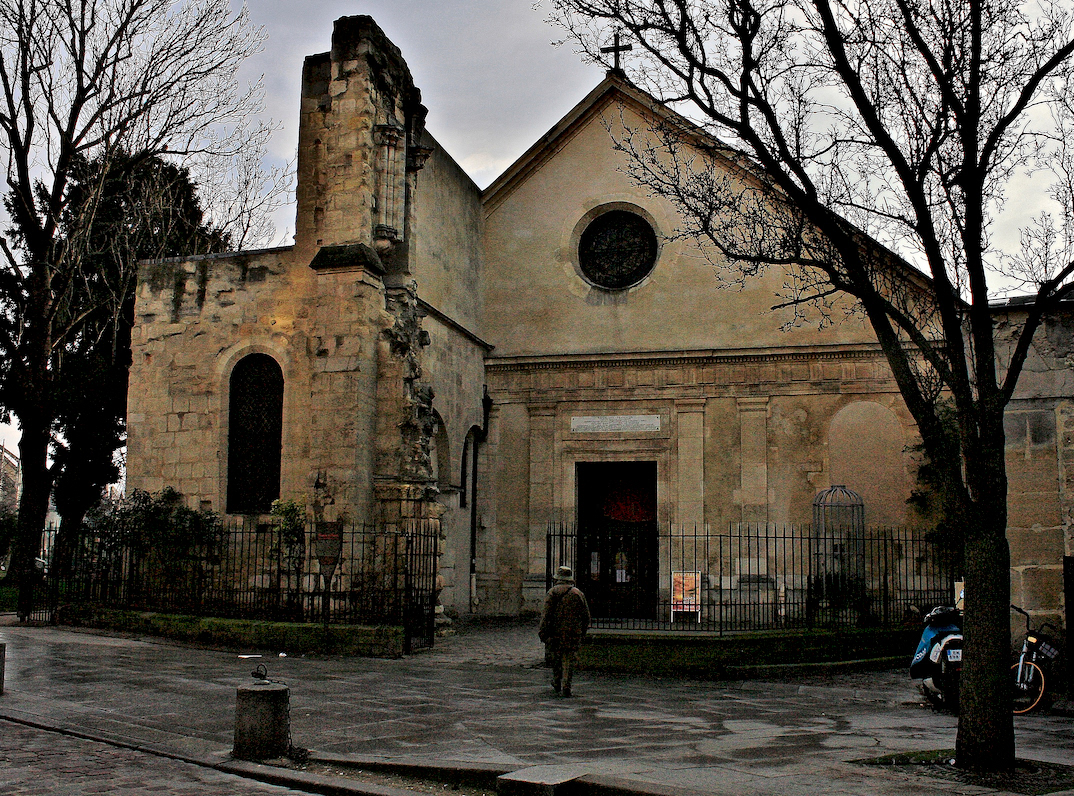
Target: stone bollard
262 721
3 655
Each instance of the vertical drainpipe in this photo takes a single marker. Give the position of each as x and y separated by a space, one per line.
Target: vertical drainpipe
480 435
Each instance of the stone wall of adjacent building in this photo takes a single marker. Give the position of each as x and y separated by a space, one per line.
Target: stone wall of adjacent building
1040 467
195 319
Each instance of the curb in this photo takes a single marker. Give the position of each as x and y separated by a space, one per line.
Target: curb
461 773
304 781
594 785
566 780
570 780
1062 707
791 670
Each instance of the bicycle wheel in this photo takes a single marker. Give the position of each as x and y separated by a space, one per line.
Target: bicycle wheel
1026 694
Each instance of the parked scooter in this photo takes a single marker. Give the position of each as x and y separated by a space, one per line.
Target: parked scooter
938 658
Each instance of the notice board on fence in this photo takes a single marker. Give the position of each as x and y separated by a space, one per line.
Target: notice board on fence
686 591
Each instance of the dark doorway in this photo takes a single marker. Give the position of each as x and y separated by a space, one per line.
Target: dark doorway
618 564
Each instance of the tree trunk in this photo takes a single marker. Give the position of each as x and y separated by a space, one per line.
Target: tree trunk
74 492
985 739
33 508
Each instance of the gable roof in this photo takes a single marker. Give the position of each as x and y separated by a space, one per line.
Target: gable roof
615 88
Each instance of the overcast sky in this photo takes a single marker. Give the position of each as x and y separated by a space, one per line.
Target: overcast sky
487 70
488 74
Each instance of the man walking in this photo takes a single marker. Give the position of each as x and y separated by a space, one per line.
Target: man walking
564 622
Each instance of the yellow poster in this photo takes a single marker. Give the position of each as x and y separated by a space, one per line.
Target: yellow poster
685 591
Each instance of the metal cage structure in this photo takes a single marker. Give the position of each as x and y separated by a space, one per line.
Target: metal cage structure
838 563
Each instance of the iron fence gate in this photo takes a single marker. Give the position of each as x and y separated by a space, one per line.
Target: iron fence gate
751 577
419 611
252 571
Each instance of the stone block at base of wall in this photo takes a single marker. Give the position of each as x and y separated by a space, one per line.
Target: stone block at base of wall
709 657
1039 589
292 638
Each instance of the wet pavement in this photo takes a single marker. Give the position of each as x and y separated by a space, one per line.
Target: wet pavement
481 697
34 762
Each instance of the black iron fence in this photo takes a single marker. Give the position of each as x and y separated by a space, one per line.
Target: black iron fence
366 575
750 576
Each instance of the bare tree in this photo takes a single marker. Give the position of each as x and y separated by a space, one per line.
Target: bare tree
92 80
241 192
906 120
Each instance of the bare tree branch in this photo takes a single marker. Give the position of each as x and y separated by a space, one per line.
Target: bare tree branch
94 80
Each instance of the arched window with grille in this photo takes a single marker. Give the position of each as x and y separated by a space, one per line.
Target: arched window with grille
255 433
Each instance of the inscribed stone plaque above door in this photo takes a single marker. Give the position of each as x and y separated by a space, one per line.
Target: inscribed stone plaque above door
610 424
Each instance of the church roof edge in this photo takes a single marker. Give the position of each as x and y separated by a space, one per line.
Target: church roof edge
503 185
428 139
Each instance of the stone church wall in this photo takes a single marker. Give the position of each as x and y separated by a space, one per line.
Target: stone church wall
446 264
746 407
538 302
174 402
446 257
455 363
409 291
740 438
1039 428
197 318
366 387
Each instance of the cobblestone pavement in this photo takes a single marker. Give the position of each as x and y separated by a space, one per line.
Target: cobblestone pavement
35 762
511 643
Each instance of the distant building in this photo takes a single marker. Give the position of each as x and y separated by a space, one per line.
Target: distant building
10 479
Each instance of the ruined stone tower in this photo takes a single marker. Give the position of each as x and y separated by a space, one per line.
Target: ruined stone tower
329 329
360 149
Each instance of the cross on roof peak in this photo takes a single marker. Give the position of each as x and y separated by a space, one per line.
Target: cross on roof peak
617 48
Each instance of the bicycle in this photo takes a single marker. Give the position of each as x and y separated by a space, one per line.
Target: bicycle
1029 683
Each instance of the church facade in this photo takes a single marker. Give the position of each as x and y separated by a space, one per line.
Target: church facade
527 354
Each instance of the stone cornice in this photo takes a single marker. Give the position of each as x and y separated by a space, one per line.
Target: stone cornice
347 257
860 351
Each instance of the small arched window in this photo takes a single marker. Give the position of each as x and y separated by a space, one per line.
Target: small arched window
255 434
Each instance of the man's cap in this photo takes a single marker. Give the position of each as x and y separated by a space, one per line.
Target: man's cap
564 575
